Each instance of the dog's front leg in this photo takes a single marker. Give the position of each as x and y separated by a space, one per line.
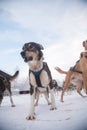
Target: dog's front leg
53 105
47 97
31 115
37 93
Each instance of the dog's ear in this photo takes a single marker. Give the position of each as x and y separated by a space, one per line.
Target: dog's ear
24 46
40 55
40 46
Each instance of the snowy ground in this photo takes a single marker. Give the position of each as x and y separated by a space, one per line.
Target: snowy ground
70 115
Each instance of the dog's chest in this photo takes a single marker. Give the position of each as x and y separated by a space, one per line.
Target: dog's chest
41 76
35 65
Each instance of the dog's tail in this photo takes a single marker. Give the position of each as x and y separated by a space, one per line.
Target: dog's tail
8 76
14 76
60 70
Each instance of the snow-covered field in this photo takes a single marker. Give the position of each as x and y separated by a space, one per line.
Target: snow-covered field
70 115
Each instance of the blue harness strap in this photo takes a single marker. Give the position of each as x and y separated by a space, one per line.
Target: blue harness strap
37 74
37 77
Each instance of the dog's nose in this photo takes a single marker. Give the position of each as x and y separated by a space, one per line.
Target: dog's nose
23 54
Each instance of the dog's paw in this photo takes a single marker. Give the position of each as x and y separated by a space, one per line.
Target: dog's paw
49 103
61 100
84 96
12 105
30 117
36 104
53 108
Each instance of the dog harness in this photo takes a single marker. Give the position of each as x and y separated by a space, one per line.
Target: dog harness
37 77
37 74
75 70
82 54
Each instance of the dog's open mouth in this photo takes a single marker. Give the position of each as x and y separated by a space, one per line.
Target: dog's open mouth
26 59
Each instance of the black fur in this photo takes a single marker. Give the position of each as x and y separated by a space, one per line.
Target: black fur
5 82
31 46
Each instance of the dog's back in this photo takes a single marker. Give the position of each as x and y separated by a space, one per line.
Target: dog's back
8 76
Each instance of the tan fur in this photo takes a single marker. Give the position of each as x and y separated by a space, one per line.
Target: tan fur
80 79
61 71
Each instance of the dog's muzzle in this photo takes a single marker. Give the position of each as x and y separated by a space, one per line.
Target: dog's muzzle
26 59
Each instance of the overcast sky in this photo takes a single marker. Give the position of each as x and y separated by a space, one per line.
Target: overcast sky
59 25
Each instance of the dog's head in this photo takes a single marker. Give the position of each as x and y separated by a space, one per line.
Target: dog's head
32 51
85 44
